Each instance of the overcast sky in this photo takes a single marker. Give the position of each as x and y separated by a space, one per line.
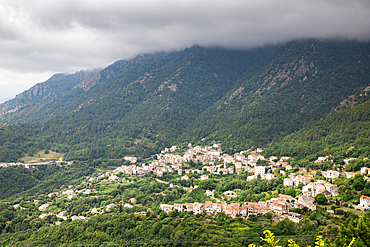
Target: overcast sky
40 37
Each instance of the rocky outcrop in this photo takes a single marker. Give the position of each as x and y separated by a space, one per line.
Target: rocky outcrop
90 82
54 86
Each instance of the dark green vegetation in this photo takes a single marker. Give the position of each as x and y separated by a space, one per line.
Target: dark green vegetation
18 182
243 99
175 229
341 134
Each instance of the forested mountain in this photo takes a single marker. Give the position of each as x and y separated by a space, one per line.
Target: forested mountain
242 98
80 95
302 99
343 133
56 85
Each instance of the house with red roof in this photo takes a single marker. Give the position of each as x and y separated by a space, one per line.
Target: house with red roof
364 202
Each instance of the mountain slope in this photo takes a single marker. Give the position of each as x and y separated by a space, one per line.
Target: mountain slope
84 93
240 98
56 85
303 82
342 134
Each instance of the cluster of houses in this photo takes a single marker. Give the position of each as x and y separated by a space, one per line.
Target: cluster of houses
214 162
210 157
63 215
33 165
311 189
280 206
70 193
321 187
295 180
26 165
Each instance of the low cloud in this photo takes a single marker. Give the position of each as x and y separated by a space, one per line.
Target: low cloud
65 36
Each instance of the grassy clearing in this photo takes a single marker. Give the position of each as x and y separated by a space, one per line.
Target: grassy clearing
106 187
41 156
354 211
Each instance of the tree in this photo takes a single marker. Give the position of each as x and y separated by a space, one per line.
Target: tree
358 229
253 218
321 198
358 182
173 213
285 227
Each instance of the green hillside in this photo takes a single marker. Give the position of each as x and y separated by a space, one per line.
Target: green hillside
18 181
341 134
242 98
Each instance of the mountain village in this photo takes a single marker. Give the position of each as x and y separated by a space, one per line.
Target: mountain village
213 161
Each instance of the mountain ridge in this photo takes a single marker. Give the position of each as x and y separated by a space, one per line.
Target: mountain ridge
51 88
243 99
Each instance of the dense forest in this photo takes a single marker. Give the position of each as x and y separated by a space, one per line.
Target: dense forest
17 182
341 134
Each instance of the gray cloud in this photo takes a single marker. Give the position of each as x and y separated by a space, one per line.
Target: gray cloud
65 36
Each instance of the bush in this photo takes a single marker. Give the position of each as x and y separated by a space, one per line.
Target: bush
339 211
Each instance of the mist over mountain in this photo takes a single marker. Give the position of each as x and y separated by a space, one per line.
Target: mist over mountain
185 123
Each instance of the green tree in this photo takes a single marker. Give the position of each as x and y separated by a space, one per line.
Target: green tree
321 198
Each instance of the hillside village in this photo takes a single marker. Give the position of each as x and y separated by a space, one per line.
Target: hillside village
211 161
82 159
216 162
186 182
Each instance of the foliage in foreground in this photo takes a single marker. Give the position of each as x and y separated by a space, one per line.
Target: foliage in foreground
181 230
357 234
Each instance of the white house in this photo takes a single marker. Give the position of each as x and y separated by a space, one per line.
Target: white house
113 178
272 158
75 217
331 174
131 159
43 207
364 202
321 159
365 170
166 208
350 174
268 176
259 170
288 182
178 206
230 193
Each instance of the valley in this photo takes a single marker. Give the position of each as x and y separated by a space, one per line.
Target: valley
204 146
192 181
